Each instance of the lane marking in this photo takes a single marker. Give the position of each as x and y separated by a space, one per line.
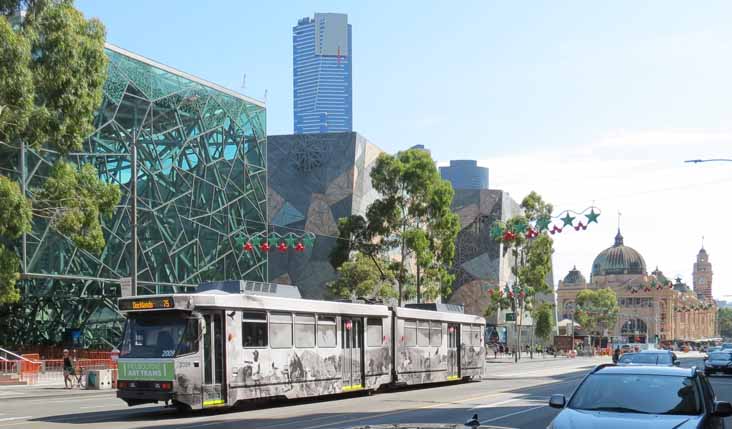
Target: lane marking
512 414
7 419
95 406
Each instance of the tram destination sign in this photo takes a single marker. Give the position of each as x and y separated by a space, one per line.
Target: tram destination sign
146 304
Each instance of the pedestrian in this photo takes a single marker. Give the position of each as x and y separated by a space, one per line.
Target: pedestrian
68 370
616 355
495 351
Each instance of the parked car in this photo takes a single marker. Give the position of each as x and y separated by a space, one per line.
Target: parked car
650 357
647 397
718 362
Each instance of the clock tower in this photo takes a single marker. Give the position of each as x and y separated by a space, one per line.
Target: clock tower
703 275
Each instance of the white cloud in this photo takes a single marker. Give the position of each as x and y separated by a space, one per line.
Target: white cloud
667 205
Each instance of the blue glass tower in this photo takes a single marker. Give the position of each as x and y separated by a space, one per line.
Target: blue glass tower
322 77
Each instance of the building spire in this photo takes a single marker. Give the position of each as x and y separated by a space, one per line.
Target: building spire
618 238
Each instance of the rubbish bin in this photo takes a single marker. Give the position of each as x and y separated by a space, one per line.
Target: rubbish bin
99 379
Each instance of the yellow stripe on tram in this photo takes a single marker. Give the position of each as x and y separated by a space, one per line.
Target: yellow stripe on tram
354 387
452 377
213 402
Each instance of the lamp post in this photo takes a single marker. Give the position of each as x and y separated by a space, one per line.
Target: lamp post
133 215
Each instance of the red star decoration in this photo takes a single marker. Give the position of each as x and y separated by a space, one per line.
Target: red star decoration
264 246
248 247
299 247
282 247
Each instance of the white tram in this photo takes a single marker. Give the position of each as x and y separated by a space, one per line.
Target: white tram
213 348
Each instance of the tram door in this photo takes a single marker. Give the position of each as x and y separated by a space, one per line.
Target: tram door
214 361
453 351
352 341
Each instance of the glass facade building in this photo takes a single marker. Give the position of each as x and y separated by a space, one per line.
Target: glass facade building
465 174
322 74
201 182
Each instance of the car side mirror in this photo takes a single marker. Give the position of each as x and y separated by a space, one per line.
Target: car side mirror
722 409
558 401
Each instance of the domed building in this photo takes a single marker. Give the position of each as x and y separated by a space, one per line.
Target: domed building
650 304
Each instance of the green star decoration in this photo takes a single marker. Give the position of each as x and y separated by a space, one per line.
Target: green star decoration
308 240
496 231
256 241
567 219
273 241
592 217
520 227
290 241
543 223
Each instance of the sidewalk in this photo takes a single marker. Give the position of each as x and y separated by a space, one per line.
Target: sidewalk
49 391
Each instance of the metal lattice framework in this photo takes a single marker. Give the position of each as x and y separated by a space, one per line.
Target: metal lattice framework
201 184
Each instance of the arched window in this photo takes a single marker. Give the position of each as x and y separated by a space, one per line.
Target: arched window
633 327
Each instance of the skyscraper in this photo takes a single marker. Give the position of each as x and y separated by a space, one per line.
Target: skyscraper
465 174
322 74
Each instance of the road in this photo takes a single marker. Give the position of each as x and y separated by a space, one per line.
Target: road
511 396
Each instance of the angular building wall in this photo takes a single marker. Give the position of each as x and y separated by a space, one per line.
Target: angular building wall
313 181
202 180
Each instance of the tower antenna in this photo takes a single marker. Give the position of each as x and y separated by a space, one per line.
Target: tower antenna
702 241
244 81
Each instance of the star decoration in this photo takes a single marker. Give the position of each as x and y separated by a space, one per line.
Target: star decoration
273 241
567 219
520 227
299 247
543 223
256 241
496 231
248 247
309 240
282 247
592 216
290 240
264 246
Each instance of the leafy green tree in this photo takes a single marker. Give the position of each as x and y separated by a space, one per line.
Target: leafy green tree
544 321
412 219
52 71
596 309
359 278
724 317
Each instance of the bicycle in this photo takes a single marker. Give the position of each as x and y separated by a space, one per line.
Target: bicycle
80 379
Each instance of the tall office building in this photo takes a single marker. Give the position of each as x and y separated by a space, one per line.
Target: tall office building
465 174
322 74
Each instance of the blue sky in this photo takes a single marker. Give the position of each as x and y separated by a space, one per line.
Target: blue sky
548 95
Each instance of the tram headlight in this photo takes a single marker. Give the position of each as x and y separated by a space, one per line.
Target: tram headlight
166 386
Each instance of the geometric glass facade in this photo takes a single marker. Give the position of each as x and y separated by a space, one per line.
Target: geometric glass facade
465 174
201 182
322 74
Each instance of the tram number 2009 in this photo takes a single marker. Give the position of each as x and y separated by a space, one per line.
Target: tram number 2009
168 353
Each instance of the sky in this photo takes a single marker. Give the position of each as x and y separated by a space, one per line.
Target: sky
583 102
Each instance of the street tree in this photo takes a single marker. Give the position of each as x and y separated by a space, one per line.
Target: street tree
52 70
544 321
359 278
596 309
724 317
411 219
531 255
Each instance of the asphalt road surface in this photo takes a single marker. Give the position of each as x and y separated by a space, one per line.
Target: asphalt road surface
511 396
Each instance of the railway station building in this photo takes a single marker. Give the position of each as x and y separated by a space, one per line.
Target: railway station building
650 304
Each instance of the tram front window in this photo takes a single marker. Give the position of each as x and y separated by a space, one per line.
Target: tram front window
156 336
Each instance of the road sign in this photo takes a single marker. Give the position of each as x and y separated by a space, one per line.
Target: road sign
510 317
126 286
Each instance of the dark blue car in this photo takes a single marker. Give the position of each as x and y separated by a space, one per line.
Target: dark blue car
645 397
718 362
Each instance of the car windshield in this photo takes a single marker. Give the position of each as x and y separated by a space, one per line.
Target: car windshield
158 336
720 356
634 393
647 358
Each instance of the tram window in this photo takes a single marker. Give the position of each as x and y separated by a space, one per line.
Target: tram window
326 331
477 332
410 333
375 334
254 329
436 333
465 334
281 330
423 333
189 341
304 330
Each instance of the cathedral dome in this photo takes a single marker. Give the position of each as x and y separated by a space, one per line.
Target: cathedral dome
619 259
574 277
